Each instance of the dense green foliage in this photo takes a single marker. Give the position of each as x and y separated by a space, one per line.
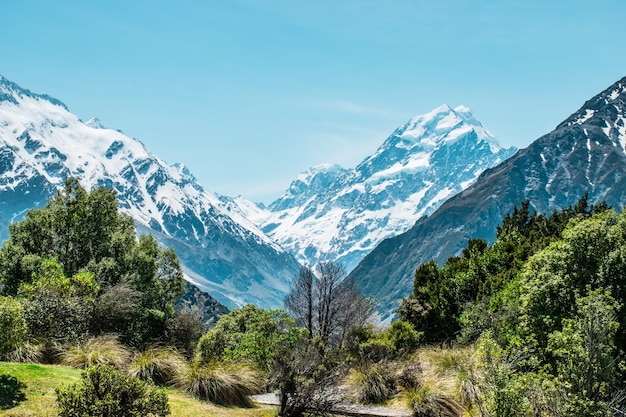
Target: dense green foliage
12 324
462 295
104 391
544 304
249 334
79 269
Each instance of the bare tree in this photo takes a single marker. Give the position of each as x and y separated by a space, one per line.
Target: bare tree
299 301
325 304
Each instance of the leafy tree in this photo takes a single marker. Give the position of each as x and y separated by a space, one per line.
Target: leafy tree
477 289
251 334
103 391
84 233
589 256
586 357
57 308
325 304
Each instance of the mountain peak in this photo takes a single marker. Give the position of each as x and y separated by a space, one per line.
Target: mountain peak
95 123
13 93
330 212
443 125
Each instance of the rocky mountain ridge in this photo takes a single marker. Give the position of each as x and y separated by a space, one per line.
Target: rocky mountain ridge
333 213
586 152
42 143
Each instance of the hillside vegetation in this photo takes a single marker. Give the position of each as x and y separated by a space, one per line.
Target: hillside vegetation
531 324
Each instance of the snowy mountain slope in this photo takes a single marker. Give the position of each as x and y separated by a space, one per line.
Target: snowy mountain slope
587 152
330 212
41 143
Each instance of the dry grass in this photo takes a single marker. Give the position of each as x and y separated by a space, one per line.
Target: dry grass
222 384
439 384
27 352
98 350
159 365
373 385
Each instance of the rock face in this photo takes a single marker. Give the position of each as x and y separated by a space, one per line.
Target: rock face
200 303
42 143
333 213
587 152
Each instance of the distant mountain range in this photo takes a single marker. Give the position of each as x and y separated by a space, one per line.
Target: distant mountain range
438 180
42 143
587 152
333 213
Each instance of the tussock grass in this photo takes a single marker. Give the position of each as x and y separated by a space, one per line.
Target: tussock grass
426 401
435 382
98 350
27 352
159 365
374 385
221 383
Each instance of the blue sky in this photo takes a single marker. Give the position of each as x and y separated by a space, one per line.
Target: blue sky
248 94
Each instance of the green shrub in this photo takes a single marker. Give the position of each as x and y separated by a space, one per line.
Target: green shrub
104 392
97 351
12 324
223 384
160 366
249 334
403 337
52 318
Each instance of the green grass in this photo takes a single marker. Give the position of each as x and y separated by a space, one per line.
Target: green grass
40 399
40 382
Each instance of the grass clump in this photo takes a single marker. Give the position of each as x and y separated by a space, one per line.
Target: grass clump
221 383
434 382
26 352
374 385
427 401
159 365
98 350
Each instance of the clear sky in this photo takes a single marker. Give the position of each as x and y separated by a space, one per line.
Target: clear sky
247 94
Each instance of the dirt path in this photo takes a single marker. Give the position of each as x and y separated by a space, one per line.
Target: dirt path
356 410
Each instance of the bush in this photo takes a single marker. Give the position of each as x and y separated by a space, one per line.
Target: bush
403 337
97 351
249 334
103 392
220 383
160 366
12 324
115 308
52 318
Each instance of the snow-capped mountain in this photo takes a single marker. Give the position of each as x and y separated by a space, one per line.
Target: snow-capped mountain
333 213
42 143
587 152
